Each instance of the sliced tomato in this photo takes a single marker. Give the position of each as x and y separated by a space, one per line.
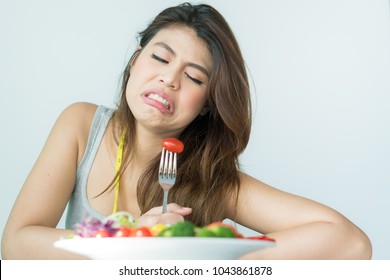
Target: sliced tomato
140 232
173 145
102 233
260 237
122 232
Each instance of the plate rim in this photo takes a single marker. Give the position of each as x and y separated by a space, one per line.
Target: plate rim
92 245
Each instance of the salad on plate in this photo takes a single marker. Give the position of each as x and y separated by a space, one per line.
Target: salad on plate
119 236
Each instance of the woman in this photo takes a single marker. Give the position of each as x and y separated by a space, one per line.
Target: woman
186 80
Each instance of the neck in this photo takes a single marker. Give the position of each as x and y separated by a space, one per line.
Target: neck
147 144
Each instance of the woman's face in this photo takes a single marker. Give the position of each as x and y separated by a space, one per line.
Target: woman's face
168 81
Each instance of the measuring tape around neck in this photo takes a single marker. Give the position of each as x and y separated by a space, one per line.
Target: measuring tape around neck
117 167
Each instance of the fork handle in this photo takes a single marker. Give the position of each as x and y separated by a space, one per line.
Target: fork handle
165 202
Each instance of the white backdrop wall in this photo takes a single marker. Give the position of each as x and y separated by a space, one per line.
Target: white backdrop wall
320 79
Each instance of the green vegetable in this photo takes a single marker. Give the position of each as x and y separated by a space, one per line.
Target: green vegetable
222 231
120 219
204 232
179 229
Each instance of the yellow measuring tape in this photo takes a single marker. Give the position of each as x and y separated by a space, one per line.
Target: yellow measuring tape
117 167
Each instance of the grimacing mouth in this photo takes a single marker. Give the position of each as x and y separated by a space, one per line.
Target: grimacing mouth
159 99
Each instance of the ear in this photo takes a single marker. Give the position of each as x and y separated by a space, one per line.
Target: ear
205 110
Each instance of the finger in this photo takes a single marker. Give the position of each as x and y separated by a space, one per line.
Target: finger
148 220
184 211
171 218
167 218
171 207
154 211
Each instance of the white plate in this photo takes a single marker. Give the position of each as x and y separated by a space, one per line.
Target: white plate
162 248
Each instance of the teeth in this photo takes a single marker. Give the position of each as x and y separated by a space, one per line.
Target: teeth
159 99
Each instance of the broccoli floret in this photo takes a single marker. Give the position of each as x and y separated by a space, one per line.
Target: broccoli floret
179 229
204 232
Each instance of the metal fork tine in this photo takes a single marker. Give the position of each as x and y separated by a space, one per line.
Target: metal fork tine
167 173
161 168
174 165
170 164
166 163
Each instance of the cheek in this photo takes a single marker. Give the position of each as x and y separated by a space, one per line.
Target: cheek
197 101
140 70
138 75
139 67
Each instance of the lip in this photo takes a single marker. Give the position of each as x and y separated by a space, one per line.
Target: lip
158 105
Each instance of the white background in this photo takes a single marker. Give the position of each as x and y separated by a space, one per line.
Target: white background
320 80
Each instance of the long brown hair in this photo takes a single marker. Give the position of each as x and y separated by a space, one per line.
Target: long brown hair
208 178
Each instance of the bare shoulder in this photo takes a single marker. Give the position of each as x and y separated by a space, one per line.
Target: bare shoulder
75 121
81 112
78 116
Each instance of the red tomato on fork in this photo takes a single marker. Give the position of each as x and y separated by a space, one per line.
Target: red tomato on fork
173 145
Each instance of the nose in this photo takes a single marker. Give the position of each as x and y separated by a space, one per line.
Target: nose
171 78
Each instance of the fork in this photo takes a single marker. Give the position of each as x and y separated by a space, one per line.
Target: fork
167 174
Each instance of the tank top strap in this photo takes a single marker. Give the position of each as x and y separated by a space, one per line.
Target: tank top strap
78 206
98 128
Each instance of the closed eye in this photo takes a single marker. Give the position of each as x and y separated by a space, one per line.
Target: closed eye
158 58
196 81
162 60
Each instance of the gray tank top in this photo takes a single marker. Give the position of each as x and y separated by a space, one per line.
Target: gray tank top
78 205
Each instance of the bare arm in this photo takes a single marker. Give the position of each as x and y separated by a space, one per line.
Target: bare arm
30 230
303 229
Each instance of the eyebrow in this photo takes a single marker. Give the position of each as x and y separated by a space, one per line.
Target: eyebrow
191 64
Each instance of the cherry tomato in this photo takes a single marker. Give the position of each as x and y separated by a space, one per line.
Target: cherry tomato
122 232
140 232
173 145
101 233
